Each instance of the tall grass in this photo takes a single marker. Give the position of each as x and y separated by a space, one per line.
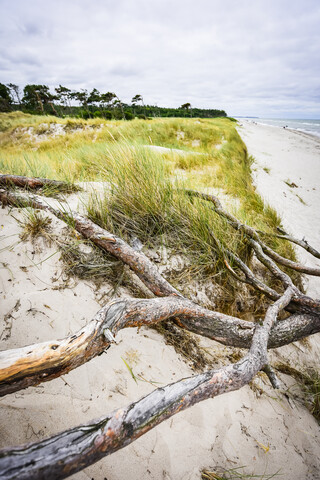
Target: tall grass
146 198
147 202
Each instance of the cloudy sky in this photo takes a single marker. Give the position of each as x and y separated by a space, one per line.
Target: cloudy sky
249 57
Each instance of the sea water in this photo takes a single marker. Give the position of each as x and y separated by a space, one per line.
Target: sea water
307 126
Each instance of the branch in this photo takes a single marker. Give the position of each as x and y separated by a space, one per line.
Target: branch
252 233
137 261
31 182
31 365
37 363
299 298
302 243
73 450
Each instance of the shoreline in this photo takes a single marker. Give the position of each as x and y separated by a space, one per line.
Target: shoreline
301 131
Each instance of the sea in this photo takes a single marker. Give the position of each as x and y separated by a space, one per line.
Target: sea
312 127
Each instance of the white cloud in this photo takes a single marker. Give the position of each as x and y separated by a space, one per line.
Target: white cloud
249 57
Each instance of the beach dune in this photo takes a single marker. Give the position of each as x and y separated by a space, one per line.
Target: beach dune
255 427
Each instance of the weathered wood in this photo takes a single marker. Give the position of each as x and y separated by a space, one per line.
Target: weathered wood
32 183
73 450
37 363
31 365
302 243
289 263
252 233
137 261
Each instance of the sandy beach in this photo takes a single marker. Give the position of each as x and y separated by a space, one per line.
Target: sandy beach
287 175
258 428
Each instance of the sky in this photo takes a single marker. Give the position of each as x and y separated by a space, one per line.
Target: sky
248 57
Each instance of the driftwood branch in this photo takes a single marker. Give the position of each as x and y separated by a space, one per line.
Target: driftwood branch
302 243
73 450
137 261
31 365
37 363
31 183
253 234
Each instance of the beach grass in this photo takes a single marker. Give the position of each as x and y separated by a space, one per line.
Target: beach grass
309 381
144 195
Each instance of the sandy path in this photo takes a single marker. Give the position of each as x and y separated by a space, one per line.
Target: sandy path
264 431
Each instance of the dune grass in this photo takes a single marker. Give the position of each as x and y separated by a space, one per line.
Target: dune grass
235 474
146 198
34 224
309 381
147 202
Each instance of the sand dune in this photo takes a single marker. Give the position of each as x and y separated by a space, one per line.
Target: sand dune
258 428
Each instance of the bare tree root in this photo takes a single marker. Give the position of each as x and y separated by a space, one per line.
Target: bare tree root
73 450
302 243
299 297
137 261
31 365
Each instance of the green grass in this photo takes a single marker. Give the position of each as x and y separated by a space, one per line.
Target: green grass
146 201
145 197
91 264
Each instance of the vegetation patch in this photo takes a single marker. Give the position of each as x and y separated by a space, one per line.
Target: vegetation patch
309 380
219 473
88 262
146 199
34 224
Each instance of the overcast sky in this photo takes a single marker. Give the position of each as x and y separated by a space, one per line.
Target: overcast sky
248 57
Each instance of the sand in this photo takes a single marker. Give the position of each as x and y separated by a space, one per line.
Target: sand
261 429
283 157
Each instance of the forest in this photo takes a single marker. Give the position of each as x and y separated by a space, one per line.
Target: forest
37 99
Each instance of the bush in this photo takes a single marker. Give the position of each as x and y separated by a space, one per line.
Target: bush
107 114
97 114
85 114
128 115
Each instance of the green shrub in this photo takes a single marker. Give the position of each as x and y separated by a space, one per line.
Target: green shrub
107 114
128 115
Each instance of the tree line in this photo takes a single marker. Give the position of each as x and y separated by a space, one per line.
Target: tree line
39 100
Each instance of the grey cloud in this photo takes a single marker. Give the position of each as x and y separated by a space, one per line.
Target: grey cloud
247 57
30 29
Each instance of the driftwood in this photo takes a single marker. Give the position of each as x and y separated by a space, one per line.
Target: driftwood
31 183
73 450
31 365
253 234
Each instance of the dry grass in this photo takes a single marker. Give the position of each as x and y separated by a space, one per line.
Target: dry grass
234 474
85 261
34 224
309 381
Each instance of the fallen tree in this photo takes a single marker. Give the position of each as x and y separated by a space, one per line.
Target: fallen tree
73 450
